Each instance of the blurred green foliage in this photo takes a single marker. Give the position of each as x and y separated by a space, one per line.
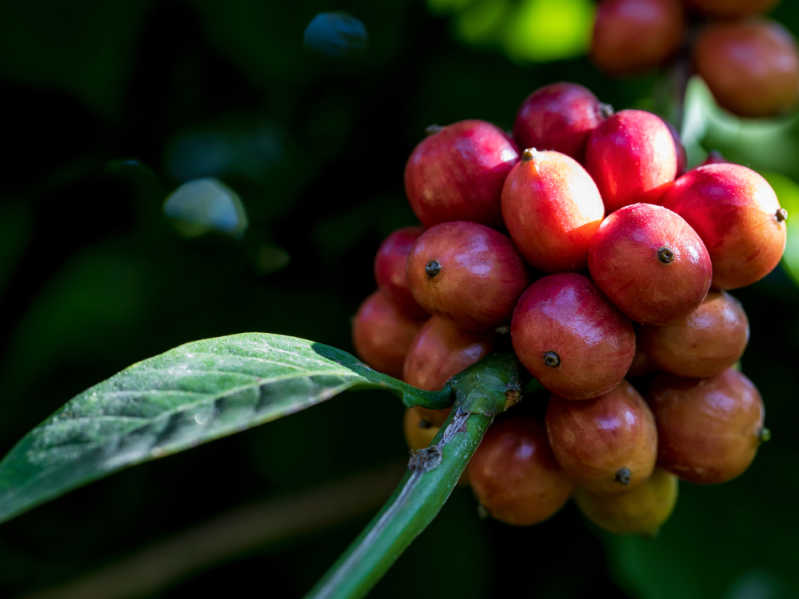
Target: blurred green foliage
109 107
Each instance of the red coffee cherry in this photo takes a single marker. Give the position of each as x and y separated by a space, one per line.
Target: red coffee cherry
467 272
570 338
382 333
633 157
751 67
457 173
552 209
419 432
708 429
642 510
607 444
391 268
650 263
440 351
731 8
736 213
514 474
559 117
635 35
703 344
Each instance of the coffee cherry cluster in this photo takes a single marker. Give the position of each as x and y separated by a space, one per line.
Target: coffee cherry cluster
605 268
750 63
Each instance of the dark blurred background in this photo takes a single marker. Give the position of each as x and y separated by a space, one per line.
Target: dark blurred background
108 107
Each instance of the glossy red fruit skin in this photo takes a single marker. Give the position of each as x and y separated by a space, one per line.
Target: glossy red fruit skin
552 209
635 35
702 344
479 276
457 173
731 8
514 474
594 343
630 262
605 445
633 157
752 67
391 267
559 116
736 213
382 333
441 350
708 429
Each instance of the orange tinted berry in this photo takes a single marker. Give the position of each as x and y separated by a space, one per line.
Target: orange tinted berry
708 429
607 444
382 333
751 67
515 476
736 213
704 343
552 209
634 35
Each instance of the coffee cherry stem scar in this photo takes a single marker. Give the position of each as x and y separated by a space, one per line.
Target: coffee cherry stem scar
606 110
623 476
551 359
781 215
665 255
432 268
529 154
764 435
433 129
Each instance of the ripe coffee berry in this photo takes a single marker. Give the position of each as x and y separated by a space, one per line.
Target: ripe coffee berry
633 157
650 263
641 510
419 431
736 213
514 474
634 35
441 350
457 173
570 338
607 444
702 344
751 67
708 429
467 272
559 117
731 8
552 209
391 270
382 333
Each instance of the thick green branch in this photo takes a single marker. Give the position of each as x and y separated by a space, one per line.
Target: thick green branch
432 474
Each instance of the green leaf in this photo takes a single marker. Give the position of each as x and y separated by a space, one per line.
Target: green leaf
189 395
205 205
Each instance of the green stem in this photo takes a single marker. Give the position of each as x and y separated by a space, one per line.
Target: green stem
432 474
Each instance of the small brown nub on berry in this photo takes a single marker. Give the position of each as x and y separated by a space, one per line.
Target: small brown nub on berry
433 129
665 255
551 359
623 476
425 423
764 435
606 111
432 268
528 154
782 215
482 512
